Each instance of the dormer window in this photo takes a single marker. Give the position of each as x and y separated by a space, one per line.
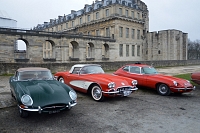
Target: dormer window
98 6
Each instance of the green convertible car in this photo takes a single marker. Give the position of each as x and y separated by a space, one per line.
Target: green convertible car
36 90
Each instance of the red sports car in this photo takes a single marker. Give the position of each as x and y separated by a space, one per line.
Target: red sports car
90 78
147 76
195 77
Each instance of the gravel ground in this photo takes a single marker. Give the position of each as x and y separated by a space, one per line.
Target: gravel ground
143 112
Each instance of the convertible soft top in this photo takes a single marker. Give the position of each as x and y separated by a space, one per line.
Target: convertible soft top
32 69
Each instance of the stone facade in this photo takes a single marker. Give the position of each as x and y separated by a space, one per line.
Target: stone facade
166 45
105 31
127 21
45 47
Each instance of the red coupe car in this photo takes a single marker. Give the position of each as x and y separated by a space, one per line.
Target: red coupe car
148 77
195 77
90 78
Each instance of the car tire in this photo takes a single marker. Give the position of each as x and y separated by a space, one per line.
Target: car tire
12 94
61 79
23 113
163 89
96 93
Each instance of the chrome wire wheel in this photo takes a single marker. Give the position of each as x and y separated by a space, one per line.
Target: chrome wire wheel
163 89
61 80
96 93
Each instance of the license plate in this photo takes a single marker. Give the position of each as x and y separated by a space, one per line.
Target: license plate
54 111
126 93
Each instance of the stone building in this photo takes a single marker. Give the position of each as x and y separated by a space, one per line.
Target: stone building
126 21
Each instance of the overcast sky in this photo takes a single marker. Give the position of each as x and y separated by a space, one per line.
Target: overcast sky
165 14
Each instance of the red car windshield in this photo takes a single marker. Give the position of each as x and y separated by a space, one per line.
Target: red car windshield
149 70
91 69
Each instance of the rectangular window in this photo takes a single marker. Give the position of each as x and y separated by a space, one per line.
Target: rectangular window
88 18
138 50
120 31
107 12
138 34
133 50
120 11
133 34
80 20
97 15
72 23
61 27
138 15
127 32
89 33
127 50
97 33
132 14
120 50
66 25
107 32
126 13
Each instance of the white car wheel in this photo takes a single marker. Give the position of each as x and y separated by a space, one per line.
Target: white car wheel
96 93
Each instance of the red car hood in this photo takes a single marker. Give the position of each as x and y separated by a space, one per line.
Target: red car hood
107 78
169 78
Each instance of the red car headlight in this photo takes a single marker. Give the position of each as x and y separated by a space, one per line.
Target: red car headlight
175 83
111 85
134 82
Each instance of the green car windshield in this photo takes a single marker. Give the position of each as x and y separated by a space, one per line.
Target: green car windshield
35 75
149 70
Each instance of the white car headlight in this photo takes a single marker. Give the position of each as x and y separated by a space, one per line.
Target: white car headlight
73 95
175 83
26 100
111 85
134 82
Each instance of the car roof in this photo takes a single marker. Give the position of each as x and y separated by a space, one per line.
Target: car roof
32 69
140 65
82 65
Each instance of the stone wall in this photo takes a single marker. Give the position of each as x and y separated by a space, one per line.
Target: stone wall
10 68
166 45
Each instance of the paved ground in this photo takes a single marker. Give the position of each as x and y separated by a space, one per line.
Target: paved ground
6 100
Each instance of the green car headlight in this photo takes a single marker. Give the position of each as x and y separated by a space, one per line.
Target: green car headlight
26 100
73 95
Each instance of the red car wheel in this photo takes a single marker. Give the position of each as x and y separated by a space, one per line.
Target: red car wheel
96 93
163 89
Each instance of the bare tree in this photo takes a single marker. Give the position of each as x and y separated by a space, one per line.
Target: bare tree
194 49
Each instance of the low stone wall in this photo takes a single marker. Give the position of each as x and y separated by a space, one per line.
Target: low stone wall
10 68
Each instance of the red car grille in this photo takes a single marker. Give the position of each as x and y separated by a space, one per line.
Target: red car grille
124 89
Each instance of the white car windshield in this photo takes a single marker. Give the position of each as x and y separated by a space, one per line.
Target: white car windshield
91 70
36 75
149 70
